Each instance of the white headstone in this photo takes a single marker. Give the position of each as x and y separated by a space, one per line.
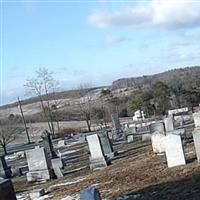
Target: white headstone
37 159
169 124
174 150
97 159
196 117
196 137
130 138
157 141
95 146
38 164
146 136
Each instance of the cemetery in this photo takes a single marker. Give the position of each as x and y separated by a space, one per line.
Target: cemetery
127 161
99 100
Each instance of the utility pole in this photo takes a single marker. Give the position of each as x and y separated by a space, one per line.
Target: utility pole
23 119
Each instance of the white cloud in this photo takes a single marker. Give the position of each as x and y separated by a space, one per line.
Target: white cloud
111 40
170 14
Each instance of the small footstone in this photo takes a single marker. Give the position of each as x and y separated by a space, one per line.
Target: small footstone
36 193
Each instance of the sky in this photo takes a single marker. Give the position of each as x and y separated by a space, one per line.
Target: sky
94 41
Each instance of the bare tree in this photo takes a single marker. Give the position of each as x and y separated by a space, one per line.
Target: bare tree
44 86
8 132
85 103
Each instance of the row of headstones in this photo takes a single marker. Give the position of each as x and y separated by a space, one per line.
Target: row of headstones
43 162
166 127
165 139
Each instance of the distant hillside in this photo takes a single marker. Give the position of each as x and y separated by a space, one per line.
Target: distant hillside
68 94
188 76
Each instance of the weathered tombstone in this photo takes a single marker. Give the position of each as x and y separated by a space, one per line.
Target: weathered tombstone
106 144
196 137
115 121
130 138
90 193
158 126
6 190
36 193
169 124
174 150
97 158
57 165
196 117
48 146
38 164
5 171
157 141
116 127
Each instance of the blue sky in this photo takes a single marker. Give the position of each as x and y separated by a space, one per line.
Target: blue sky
95 41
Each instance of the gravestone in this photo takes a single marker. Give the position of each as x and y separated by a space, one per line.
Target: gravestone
196 117
38 164
174 150
146 137
132 128
5 171
36 193
90 193
130 138
57 165
115 121
97 157
48 145
116 127
61 143
169 124
106 144
157 127
157 141
196 137
6 190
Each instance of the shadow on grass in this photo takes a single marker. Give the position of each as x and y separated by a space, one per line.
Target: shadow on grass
132 151
184 189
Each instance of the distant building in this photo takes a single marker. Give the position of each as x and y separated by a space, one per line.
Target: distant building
138 115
